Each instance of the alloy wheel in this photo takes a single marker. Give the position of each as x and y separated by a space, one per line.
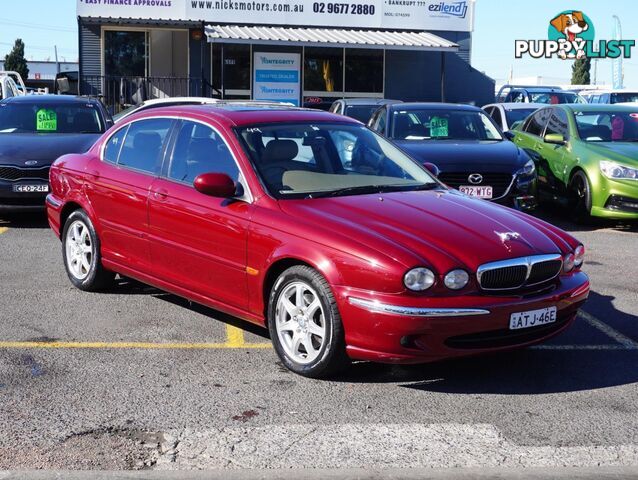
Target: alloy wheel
79 250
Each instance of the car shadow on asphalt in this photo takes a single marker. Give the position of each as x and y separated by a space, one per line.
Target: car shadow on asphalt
24 220
559 216
564 368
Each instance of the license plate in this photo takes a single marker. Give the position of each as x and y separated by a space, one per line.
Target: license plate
533 318
483 191
31 188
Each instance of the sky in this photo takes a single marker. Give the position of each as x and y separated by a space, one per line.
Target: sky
498 23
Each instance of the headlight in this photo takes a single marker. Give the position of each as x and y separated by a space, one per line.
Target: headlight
568 262
616 170
456 279
419 279
528 169
579 256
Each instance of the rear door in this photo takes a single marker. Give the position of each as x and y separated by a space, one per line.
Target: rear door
119 185
198 242
551 163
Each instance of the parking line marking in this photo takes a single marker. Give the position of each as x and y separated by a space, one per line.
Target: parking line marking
134 345
609 331
234 336
3 229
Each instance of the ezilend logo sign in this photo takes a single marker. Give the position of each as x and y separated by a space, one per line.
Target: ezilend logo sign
454 9
571 35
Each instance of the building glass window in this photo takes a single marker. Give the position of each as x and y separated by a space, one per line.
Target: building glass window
323 69
125 53
364 70
236 69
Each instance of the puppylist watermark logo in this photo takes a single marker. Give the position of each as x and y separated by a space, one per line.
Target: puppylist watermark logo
571 34
452 9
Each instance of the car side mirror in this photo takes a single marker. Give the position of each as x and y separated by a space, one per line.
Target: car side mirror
433 169
215 185
509 135
554 139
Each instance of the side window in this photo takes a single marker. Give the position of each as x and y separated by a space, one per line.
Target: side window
143 144
114 146
516 96
199 149
497 117
558 123
536 123
381 120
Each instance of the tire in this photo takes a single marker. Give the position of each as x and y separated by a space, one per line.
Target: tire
297 334
580 197
81 254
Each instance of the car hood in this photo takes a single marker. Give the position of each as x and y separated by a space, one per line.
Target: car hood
625 152
440 228
479 156
19 148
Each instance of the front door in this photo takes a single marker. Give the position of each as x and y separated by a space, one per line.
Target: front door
197 241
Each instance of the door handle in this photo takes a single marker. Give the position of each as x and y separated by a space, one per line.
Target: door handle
160 194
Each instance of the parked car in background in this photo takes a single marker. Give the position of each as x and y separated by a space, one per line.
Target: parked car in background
34 131
254 212
536 94
359 108
508 115
586 156
11 85
67 83
611 96
466 146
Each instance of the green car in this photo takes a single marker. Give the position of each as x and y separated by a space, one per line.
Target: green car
586 156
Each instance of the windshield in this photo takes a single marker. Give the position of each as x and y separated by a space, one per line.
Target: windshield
302 160
517 114
607 126
432 124
624 97
555 98
361 112
50 118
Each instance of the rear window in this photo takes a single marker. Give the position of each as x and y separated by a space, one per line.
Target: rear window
49 117
361 112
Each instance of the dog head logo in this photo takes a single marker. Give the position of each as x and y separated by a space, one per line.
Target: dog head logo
573 27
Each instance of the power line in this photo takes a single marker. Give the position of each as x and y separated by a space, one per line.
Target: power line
37 26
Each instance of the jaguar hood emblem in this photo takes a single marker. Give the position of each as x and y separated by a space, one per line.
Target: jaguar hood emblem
507 236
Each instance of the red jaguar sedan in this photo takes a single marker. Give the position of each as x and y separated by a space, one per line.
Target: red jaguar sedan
316 227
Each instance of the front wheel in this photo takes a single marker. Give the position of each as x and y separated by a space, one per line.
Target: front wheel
305 325
580 197
81 253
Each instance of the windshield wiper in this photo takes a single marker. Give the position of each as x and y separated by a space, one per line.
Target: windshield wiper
363 189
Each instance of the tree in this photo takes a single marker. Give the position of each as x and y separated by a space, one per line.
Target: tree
580 71
15 60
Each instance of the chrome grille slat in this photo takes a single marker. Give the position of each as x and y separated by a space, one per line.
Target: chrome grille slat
518 273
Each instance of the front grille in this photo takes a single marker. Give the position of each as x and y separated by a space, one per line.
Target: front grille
499 182
519 272
506 338
15 173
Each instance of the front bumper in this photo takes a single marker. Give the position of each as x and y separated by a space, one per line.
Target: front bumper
615 199
10 200
411 329
522 194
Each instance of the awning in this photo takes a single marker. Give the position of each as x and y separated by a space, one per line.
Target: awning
329 37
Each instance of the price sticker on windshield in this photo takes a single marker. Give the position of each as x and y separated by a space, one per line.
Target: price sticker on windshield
438 127
46 120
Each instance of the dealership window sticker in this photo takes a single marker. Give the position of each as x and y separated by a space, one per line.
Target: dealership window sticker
46 120
439 127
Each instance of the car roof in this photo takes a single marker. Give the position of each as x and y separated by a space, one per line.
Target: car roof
518 105
245 114
155 101
368 101
50 98
434 106
599 107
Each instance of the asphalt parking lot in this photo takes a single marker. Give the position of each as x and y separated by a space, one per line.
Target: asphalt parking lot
135 378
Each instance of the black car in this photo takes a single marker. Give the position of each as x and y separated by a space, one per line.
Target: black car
34 131
359 108
470 151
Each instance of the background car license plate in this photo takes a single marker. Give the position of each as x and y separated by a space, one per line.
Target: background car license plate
479 192
31 188
532 318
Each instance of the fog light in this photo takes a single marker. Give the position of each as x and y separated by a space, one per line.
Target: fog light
419 279
456 279
579 256
568 263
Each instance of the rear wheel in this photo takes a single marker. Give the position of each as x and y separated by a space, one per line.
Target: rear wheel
580 197
305 325
81 253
